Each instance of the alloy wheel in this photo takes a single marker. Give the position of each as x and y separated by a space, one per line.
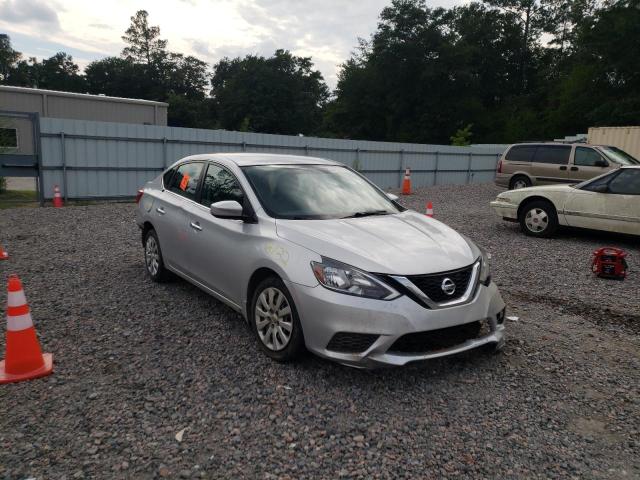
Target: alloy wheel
152 256
274 320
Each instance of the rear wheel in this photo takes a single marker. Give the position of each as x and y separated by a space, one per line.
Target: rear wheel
153 258
274 320
519 181
538 219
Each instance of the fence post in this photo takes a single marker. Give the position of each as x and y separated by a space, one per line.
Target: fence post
469 168
244 146
403 167
164 152
306 150
435 171
63 146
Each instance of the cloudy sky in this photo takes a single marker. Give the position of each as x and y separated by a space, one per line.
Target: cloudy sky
326 30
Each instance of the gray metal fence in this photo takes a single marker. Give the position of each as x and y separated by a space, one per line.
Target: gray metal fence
91 160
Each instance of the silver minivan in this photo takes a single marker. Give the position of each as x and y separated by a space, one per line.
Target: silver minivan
526 164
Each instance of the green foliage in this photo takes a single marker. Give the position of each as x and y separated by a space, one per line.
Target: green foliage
462 137
279 94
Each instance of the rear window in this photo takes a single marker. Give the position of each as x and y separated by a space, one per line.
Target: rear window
521 153
186 179
554 154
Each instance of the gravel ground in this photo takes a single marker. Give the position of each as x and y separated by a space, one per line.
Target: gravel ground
137 363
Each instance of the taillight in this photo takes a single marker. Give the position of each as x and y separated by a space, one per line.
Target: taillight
139 195
500 166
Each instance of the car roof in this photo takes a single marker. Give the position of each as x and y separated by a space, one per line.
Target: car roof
246 159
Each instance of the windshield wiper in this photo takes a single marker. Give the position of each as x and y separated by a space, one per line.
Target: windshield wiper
368 213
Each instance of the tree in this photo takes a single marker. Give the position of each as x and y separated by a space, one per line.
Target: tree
145 46
58 72
462 137
280 94
8 58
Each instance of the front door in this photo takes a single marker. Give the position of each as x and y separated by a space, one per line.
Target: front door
611 203
220 255
587 163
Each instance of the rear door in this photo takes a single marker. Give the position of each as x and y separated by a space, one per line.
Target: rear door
585 165
550 164
170 216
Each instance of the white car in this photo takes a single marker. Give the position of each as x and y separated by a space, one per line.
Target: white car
610 202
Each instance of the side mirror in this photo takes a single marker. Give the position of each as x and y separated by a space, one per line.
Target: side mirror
392 196
227 209
604 188
602 163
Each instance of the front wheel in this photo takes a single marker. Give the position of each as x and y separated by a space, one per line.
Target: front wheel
539 219
274 320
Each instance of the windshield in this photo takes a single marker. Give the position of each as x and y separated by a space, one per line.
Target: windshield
306 192
619 156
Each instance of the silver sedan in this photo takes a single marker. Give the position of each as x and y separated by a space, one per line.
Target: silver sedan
316 257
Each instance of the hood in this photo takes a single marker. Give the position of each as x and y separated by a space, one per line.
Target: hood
406 243
544 188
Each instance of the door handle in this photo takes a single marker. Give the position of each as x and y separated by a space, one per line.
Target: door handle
563 168
574 169
195 226
160 210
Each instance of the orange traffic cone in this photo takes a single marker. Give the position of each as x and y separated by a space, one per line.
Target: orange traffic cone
23 358
429 210
406 183
57 198
4 255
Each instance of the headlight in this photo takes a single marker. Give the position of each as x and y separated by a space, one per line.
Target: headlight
485 268
351 281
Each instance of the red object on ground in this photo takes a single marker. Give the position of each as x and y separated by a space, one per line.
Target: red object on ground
406 183
23 358
610 262
4 255
57 197
429 210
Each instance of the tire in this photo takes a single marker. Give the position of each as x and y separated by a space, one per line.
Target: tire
519 181
538 219
270 329
153 262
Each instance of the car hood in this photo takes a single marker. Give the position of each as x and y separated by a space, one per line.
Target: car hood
541 189
406 243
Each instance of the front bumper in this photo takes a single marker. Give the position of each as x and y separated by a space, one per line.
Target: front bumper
506 210
323 313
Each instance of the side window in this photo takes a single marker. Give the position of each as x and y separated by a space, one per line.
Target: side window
627 182
586 157
521 153
186 179
604 180
556 155
219 184
166 178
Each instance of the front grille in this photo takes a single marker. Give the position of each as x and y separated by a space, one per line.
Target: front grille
347 342
431 284
443 338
